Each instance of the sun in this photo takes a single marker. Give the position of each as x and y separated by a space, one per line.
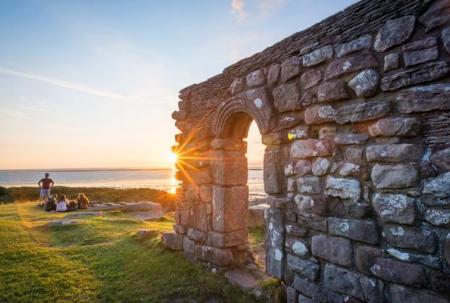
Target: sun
173 157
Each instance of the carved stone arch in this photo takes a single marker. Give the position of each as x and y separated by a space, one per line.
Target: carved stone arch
253 104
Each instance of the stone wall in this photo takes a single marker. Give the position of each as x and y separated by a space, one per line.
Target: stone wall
355 115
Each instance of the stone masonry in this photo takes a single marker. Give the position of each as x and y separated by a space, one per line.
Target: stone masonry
355 114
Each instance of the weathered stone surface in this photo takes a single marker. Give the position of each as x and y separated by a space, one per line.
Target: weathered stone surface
217 256
287 97
359 230
445 36
288 120
196 235
402 294
362 111
332 91
333 249
440 282
229 207
441 159
410 237
343 188
188 245
393 153
320 166
310 78
273 74
229 144
427 260
351 64
318 56
349 169
303 167
354 154
438 14
391 61
365 84
241 278
230 239
297 246
395 126
394 32
256 78
290 68
228 168
295 230
420 51
299 132
353 284
312 148
358 44
309 185
350 138
275 138
423 73
307 205
438 187
424 98
365 257
317 293
327 132
307 268
273 170
446 246
399 272
198 217
318 114
275 237
291 295
438 217
237 86
397 208
394 176
313 222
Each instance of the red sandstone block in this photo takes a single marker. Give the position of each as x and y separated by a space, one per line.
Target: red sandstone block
229 208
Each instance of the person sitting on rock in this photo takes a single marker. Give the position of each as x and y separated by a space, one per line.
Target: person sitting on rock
83 201
61 205
50 204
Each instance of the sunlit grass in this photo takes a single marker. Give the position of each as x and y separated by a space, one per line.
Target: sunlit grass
97 260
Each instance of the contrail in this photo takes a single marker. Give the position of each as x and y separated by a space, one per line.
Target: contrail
63 84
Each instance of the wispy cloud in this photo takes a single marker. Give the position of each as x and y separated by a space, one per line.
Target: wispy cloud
63 84
237 7
264 7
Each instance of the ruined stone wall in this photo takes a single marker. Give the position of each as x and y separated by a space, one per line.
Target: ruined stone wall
355 113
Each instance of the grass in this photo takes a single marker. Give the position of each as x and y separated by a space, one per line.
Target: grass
96 194
97 260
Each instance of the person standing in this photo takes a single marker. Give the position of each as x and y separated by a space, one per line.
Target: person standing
45 184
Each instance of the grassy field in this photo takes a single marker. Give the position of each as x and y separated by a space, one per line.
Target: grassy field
98 260
95 194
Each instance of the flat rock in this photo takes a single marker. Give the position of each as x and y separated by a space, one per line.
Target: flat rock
391 61
394 32
365 84
395 126
397 208
347 65
318 56
394 176
62 223
358 44
241 278
256 78
332 91
287 97
438 14
424 98
423 73
362 111
318 114
290 68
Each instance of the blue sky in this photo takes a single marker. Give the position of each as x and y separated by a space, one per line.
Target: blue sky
93 83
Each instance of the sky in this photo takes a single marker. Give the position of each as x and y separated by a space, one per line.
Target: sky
92 84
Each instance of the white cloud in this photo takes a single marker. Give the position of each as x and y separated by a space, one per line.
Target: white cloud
237 7
264 7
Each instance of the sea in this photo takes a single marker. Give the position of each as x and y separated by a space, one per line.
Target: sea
162 179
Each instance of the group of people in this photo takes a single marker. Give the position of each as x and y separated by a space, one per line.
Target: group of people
58 203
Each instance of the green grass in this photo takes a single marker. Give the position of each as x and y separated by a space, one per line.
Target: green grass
97 260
